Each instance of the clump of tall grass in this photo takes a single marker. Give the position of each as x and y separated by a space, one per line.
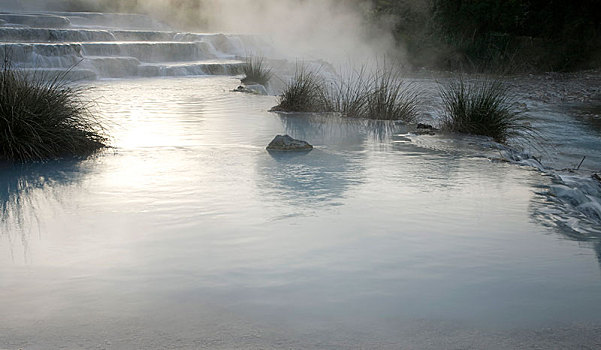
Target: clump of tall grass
305 92
484 107
349 94
44 118
390 98
256 71
380 94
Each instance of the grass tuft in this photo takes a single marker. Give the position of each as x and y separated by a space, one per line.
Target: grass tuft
380 95
390 98
43 119
255 71
305 92
482 108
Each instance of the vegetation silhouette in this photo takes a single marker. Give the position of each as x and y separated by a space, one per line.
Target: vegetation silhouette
44 118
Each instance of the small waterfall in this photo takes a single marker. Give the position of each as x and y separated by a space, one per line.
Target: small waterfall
102 45
35 20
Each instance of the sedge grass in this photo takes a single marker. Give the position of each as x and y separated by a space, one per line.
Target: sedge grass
484 107
44 118
378 95
256 71
305 92
390 98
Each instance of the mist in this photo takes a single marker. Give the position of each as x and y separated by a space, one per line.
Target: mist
334 30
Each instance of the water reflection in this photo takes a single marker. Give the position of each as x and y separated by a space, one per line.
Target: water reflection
310 178
193 225
344 158
28 191
335 130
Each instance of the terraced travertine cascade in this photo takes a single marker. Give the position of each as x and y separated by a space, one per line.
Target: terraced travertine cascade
103 45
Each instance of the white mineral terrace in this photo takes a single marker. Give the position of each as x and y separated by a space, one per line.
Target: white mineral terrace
96 45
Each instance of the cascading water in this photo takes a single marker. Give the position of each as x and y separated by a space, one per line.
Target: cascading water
99 45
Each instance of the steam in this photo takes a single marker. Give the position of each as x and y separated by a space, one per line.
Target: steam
317 29
334 30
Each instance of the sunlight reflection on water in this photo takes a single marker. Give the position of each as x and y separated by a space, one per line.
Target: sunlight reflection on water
190 218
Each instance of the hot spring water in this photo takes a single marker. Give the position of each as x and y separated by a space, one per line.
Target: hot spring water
189 234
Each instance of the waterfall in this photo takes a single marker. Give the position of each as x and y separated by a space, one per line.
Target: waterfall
111 45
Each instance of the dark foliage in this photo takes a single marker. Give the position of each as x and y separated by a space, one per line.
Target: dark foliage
493 35
255 71
380 95
482 108
43 119
305 92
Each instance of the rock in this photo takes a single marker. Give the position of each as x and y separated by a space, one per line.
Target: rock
287 143
425 129
256 89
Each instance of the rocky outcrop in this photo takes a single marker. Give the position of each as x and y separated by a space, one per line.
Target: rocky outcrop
287 143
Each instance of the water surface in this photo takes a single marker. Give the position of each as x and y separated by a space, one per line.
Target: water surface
190 234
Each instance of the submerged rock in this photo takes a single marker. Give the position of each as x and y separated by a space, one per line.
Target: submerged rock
287 143
425 129
424 126
256 89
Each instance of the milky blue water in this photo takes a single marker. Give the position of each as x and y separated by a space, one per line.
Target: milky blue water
189 234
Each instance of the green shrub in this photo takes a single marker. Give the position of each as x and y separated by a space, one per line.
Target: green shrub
42 119
482 108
